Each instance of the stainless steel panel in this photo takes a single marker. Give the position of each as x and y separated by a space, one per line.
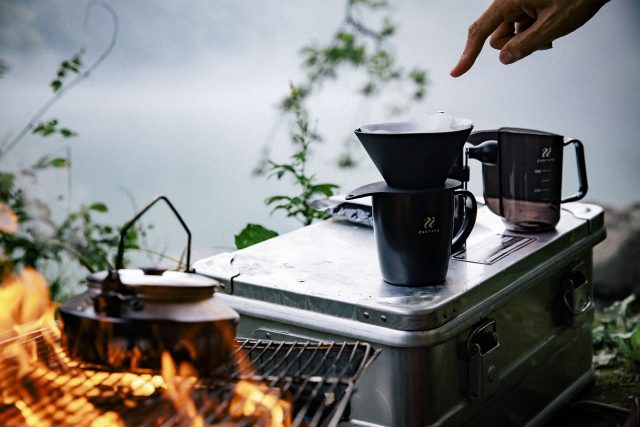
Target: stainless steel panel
332 268
322 283
422 377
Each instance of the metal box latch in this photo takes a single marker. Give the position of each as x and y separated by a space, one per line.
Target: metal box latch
577 294
481 360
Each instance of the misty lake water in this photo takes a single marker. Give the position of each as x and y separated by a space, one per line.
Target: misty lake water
187 101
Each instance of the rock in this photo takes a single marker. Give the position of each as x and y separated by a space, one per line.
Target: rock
616 261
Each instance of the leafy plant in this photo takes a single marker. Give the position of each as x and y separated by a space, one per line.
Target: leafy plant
364 47
355 45
252 234
616 334
296 206
299 205
29 234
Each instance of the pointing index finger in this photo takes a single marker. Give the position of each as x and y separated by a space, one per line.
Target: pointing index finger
479 31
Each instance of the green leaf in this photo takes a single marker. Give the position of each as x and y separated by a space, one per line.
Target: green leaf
46 129
272 199
283 207
6 183
56 85
388 28
326 189
59 162
283 167
419 76
99 207
252 234
634 341
67 133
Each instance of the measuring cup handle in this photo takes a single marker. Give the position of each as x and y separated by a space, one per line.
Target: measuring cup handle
469 220
582 171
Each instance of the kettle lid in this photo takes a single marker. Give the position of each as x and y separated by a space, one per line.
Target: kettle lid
156 284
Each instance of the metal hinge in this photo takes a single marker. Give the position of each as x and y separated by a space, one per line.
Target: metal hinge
481 361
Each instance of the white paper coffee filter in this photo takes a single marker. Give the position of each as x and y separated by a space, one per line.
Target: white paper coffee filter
433 123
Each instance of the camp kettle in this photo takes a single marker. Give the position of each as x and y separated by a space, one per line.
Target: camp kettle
522 175
127 319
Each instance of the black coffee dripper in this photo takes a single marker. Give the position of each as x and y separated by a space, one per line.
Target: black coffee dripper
414 208
416 155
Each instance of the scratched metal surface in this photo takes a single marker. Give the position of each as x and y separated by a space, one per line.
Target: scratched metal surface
331 267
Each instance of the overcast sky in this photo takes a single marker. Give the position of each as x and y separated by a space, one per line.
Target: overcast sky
187 99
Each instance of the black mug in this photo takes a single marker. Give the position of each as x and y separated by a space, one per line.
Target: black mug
522 175
414 230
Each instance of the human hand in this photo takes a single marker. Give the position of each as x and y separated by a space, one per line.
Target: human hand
520 27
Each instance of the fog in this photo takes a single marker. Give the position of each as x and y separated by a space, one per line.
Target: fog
187 100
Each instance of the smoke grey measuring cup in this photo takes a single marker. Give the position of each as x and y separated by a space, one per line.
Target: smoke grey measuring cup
522 175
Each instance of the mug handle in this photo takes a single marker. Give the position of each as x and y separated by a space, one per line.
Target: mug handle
582 171
469 220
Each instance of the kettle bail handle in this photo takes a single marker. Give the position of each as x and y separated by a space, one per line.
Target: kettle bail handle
127 226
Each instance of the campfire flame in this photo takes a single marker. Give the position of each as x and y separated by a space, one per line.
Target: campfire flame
251 399
180 391
74 394
25 300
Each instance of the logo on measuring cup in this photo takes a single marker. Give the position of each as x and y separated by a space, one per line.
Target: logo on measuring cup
428 225
545 155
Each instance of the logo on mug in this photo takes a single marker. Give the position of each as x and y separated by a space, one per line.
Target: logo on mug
429 221
428 226
545 155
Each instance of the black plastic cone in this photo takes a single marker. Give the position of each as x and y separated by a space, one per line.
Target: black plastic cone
413 160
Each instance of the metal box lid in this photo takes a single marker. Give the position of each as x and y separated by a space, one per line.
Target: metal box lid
331 267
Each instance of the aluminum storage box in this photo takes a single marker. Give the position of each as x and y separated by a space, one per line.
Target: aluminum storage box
505 341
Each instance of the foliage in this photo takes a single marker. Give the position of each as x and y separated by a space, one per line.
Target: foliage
252 234
299 206
359 46
616 334
355 45
72 66
4 67
296 206
30 234
50 128
363 47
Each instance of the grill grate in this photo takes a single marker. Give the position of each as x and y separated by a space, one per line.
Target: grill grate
39 384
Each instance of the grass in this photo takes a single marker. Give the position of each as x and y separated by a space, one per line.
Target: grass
616 344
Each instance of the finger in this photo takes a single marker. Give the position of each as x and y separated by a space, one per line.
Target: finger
524 24
523 44
546 46
502 34
479 31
